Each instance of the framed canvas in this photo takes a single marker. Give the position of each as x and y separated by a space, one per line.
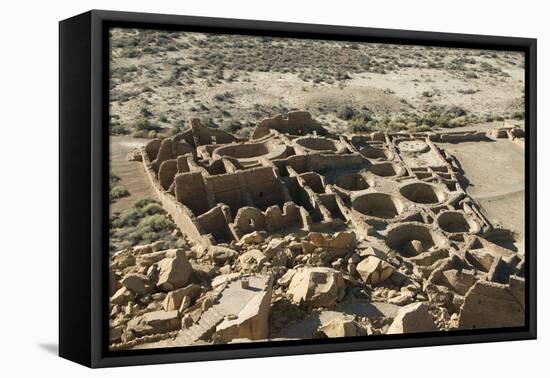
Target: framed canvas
234 188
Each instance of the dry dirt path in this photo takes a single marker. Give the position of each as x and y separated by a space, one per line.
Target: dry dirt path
131 173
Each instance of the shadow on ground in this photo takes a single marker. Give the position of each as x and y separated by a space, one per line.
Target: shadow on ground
51 348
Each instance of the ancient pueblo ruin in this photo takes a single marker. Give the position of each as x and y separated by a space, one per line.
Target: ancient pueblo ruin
300 233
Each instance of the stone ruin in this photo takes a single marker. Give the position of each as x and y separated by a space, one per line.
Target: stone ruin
299 233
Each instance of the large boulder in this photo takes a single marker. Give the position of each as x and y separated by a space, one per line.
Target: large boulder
335 245
247 302
114 285
122 259
317 286
374 270
155 322
174 270
220 255
252 260
122 296
174 299
459 281
413 318
137 283
494 305
344 326
254 237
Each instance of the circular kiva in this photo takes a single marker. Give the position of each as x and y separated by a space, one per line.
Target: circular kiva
411 239
456 221
413 146
352 182
386 170
422 193
379 205
250 151
373 153
319 144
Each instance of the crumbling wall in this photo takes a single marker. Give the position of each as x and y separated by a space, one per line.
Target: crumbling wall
182 216
204 135
249 219
297 123
319 162
167 172
191 192
215 222
493 305
258 187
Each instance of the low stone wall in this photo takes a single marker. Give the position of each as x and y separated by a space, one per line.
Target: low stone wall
249 219
182 216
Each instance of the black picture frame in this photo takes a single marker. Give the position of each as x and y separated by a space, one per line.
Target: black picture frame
84 202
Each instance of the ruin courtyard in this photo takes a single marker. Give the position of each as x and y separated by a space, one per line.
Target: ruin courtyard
298 232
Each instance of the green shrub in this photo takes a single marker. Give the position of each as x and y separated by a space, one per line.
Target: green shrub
226 96
346 112
358 126
145 113
458 122
142 202
118 129
233 126
152 209
145 222
118 192
143 123
518 116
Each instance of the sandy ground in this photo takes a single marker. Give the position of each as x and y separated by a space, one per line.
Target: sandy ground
131 173
415 79
495 173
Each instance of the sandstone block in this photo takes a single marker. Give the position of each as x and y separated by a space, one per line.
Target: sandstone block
340 327
174 271
374 270
413 318
155 322
319 287
137 283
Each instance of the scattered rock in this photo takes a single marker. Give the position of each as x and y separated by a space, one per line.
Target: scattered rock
122 259
148 259
155 322
137 283
336 245
492 305
253 238
374 270
115 333
251 321
402 299
252 260
286 278
413 318
318 287
134 155
122 296
205 271
114 285
173 299
221 255
340 327
460 281
174 270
